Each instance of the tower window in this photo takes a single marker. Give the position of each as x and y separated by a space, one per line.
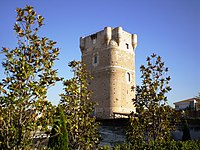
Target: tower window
128 77
94 38
95 59
127 46
94 41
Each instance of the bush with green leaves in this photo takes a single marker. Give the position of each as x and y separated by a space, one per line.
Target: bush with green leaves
78 107
123 146
162 145
59 136
151 121
186 132
105 147
29 72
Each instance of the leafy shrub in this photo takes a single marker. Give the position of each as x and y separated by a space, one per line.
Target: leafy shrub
59 136
186 132
81 125
105 147
161 145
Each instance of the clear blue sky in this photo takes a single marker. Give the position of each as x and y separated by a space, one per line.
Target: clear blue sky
170 28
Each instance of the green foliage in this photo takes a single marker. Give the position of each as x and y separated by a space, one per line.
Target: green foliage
123 147
151 121
190 145
162 145
59 136
186 132
105 147
29 73
81 125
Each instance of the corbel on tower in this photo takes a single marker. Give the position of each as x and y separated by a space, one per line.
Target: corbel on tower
134 41
82 44
119 35
107 34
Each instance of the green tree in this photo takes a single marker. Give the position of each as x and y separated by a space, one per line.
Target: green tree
151 121
81 125
186 131
59 136
29 73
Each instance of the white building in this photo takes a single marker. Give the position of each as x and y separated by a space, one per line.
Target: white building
187 104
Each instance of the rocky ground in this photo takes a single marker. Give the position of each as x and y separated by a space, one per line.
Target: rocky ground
112 135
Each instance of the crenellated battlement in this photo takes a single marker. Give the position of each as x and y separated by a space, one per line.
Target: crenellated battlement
109 37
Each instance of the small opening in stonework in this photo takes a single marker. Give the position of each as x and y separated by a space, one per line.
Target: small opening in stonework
95 59
127 46
128 77
93 38
94 41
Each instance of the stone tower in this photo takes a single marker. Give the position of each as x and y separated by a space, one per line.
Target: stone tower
110 58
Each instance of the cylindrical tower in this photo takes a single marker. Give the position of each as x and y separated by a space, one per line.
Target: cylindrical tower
110 58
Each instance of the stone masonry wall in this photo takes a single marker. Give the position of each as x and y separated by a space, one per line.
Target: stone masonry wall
110 58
